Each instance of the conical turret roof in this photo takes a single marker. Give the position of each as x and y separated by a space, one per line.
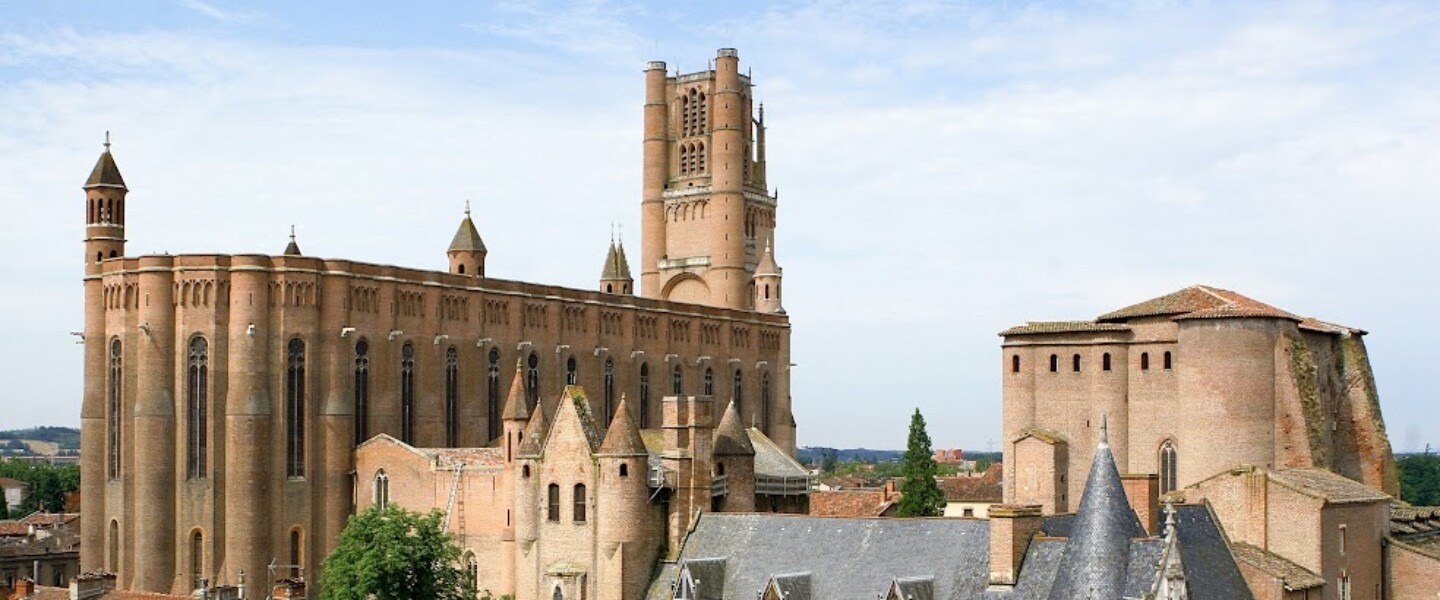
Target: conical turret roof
1095 558
467 238
617 268
515 403
623 438
292 249
730 437
767 264
534 441
106 173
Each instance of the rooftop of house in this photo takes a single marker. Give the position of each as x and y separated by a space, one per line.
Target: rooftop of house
1291 575
870 502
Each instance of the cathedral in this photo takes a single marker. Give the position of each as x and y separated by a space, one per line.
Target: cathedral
225 395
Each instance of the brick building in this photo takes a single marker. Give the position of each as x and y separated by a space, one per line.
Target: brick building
225 394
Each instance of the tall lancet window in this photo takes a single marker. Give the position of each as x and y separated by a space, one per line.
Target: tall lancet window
407 393
765 402
737 392
677 379
362 391
492 395
452 392
609 392
197 405
295 409
113 401
1168 467
572 372
644 395
532 382
709 382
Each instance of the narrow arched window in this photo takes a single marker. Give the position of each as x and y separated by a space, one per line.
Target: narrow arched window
1168 467
737 392
452 397
532 382
1015 363
362 391
557 594
709 382
609 405
1166 360
407 393
572 372
492 395
197 421
296 555
579 508
1105 361
765 402
553 503
1144 361
112 553
676 380
472 569
197 559
1054 363
113 416
381 496
624 470
644 395
1075 363
295 409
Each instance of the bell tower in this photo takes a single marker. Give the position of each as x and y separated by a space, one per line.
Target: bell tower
104 211
706 206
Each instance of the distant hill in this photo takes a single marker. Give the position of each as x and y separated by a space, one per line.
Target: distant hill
812 455
67 437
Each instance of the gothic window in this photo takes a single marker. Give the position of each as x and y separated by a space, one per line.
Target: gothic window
196 384
644 395
1015 363
197 557
553 503
1054 363
362 391
407 393
112 557
676 379
295 409
112 420
1166 361
609 391
382 489
472 569
452 391
1168 465
579 516
1105 361
572 374
1075 363
557 594
492 394
1144 361
532 382
737 392
765 402
709 382
295 555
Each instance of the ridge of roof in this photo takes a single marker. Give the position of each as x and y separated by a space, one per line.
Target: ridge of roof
1198 302
1039 327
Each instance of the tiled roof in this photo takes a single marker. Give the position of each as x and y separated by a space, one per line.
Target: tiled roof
1094 562
623 437
13 528
1198 301
1040 327
617 267
40 519
467 238
848 503
1327 486
1293 576
1323 327
1428 547
985 488
106 173
469 457
1414 521
6 482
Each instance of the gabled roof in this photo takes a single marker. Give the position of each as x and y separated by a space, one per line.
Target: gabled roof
1097 555
708 577
467 238
616 268
1327 486
515 402
912 588
1291 575
623 436
770 460
1044 435
1198 302
106 173
574 401
730 438
534 442
789 586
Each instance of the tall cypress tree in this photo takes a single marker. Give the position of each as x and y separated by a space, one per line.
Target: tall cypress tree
920 496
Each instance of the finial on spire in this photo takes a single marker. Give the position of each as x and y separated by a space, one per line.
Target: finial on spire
292 232
107 140
467 209
612 233
621 237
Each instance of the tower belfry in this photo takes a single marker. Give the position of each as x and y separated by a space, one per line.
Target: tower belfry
706 209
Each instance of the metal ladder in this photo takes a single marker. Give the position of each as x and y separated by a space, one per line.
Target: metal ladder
454 491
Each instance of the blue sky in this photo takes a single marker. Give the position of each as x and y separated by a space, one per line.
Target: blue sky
945 169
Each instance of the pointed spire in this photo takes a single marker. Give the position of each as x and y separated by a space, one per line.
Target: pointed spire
617 267
730 437
292 249
534 441
105 173
467 238
515 403
767 264
623 438
1095 558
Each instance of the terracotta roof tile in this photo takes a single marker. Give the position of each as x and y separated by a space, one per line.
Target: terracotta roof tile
1039 327
1293 576
1332 488
985 488
847 503
1198 301
13 528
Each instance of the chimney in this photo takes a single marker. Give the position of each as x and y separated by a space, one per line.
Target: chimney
224 592
292 588
1143 492
24 588
93 584
1011 527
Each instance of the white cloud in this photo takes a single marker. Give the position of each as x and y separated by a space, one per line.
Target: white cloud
217 13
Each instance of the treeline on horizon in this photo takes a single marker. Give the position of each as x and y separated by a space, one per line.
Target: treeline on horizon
67 437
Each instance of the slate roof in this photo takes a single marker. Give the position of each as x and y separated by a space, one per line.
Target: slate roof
467 238
106 173
616 268
730 438
792 586
292 249
1095 559
912 588
770 460
1291 575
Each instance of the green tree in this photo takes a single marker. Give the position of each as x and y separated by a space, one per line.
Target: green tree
1420 479
394 554
48 484
920 496
828 461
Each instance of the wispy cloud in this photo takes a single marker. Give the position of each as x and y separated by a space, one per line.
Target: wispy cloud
592 27
219 14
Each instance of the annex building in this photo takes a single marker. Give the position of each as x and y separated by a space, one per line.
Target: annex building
225 395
